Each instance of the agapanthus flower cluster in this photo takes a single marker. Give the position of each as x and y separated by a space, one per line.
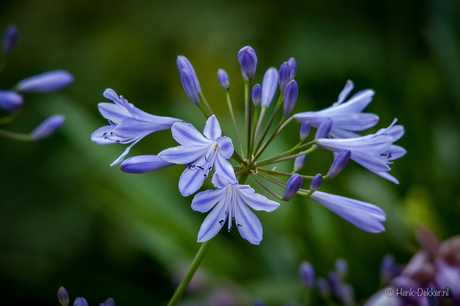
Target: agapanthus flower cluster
12 101
205 155
64 300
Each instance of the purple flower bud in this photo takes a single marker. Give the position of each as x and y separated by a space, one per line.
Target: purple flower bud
248 61
307 274
284 75
46 82
336 283
190 86
323 129
223 79
269 85
10 100
47 127
9 39
316 182
80 302
299 162
292 67
259 302
143 164
388 269
256 94
290 97
184 63
304 130
292 186
109 302
341 266
324 287
340 161
63 296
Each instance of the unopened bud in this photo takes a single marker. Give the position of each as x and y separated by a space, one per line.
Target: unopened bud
290 97
46 82
256 94
10 100
340 161
269 85
183 63
190 87
284 75
47 127
292 186
292 67
80 302
299 162
248 61
9 39
63 296
324 129
316 182
304 130
307 274
223 79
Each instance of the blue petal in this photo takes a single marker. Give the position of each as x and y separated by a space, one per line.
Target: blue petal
396 152
113 112
363 215
339 133
130 127
345 91
110 94
212 128
256 201
183 155
143 164
99 136
187 135
372 144
387 176
247 223
220 181
213 222
126 151
224 168
191 180
206 200
369 161
226 148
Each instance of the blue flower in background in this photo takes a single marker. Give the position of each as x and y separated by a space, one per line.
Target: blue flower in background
230 201
200 153
128 124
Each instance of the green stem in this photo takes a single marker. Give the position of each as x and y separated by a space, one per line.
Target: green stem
191 271
266 187
259 122
200 106
13 135
7 119
256 109
272 118
229 102
288 157
284 174
206 102
247 115
271 138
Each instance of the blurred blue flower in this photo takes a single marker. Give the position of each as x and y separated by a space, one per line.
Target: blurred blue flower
9 39
46 82
128 124
10 100
200 153
230 201
47 127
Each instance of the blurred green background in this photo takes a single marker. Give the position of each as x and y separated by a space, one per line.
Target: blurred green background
69 219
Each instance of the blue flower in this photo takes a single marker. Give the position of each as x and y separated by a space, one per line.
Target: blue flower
46 81
230 201
347 118
200 153
128 124
363 215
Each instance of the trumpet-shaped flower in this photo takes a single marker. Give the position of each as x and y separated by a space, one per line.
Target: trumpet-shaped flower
363 215
128 124
347 118
230 201
199 153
